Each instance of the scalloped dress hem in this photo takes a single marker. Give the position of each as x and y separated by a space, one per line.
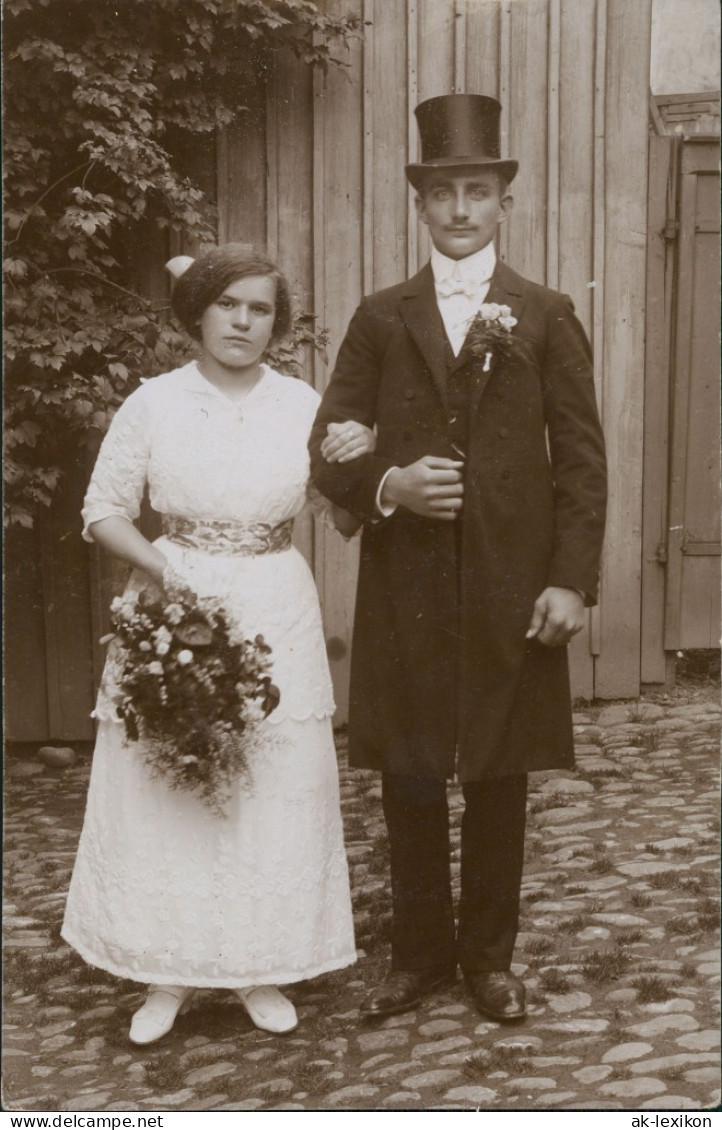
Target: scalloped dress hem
246 981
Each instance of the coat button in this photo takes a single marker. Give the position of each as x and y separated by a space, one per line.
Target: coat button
502 393
409 394
503 433
505 474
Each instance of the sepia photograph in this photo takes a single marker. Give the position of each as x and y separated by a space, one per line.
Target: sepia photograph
361 559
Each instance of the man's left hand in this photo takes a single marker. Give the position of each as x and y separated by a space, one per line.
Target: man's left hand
558 615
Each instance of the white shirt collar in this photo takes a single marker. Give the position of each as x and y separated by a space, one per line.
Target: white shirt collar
479 266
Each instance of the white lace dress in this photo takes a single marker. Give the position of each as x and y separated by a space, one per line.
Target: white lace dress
163 891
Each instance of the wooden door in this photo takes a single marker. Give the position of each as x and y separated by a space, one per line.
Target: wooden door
692 612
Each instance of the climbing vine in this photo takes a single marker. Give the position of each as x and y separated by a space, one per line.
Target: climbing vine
103 102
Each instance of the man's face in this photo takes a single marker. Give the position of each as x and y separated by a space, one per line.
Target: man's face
462 209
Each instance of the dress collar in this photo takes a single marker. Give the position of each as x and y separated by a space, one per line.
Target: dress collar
191 379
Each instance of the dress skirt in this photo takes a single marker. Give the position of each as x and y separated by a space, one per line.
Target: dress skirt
166 892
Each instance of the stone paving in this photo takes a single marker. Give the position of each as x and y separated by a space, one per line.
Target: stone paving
618 948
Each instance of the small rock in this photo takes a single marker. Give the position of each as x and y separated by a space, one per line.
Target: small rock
675 1004
210 1071
54 1043
633 1088
567 785
670 1102
95 1101
401 1098
678 1022
620 919
579 1025
435 1078
592 1074
25 769
389 1038
434 1027
353 1093
700 1041
245 1104
281 1086
569 1002
476 1096
593 933
683 1059
57 757
623 1052
703 1075
439 1047
613 715
525 1083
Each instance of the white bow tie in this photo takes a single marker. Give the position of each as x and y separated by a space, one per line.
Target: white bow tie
445 288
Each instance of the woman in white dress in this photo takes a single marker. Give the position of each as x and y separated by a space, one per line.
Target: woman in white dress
163 891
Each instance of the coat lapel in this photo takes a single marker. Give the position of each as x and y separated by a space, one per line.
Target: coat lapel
506 289
421 316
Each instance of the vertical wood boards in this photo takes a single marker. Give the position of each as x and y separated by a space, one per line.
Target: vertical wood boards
385 117
692 610
436 60
528 134
626 85
242 173
338 265
482 48
289 216
661 207
570 223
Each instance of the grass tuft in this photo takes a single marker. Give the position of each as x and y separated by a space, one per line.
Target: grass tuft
554 981
602 966
651 989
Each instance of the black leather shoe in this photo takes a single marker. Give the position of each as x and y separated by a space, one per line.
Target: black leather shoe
499 995
402 990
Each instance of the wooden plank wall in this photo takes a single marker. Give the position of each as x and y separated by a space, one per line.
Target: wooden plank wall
573 79
313 170
572 76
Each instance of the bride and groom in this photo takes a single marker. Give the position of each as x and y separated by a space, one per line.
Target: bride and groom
476 464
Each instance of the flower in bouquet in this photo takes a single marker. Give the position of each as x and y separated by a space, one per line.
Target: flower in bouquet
191 692
489 335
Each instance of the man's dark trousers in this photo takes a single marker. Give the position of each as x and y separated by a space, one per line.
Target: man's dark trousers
492 858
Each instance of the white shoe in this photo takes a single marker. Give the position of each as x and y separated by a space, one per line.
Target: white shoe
156 1017
268 1008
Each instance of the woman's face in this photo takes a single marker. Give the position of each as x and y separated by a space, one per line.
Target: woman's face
237 326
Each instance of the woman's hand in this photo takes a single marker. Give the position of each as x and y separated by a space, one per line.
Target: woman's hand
347 441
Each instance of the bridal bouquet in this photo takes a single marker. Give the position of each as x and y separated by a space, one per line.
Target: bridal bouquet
489 335
195 697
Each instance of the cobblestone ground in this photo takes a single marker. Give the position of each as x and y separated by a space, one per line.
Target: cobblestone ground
618 949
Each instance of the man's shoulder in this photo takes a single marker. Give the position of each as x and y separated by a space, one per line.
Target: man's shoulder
392 295
515 283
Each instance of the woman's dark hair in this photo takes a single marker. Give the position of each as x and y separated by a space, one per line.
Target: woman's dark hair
214 270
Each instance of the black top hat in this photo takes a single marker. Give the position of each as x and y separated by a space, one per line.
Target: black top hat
458 130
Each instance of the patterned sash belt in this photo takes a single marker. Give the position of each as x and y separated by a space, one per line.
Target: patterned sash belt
231 539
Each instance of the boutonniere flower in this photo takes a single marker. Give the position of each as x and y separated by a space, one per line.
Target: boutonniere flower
489 335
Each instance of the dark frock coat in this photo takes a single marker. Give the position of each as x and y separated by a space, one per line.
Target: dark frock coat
442 676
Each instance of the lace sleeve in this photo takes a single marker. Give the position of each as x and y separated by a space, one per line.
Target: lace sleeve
116 485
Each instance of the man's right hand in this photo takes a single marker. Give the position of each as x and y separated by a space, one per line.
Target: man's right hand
431 487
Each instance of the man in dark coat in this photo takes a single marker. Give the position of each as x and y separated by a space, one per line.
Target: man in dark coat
483 508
